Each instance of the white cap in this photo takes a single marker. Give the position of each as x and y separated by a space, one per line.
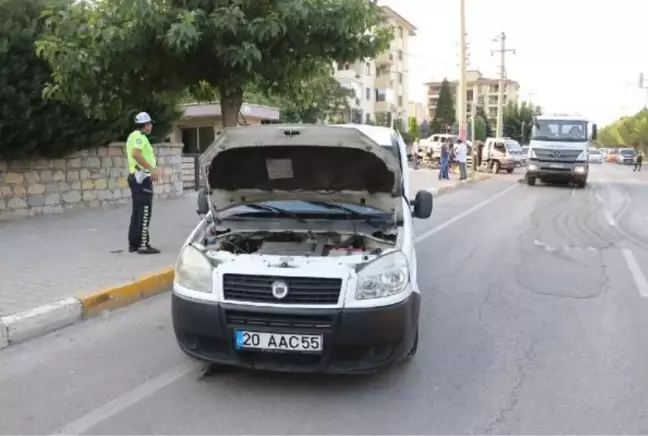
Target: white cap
143 118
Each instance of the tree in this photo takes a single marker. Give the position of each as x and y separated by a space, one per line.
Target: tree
480 113
444 115
399 126
105 53
321 98
480 129
413 128
425 129
518 120
31 126
628 131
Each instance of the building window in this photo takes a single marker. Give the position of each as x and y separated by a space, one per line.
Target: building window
400 100
400 32
381 95
400 55
368 69
367 118
400 77
197 139
368 94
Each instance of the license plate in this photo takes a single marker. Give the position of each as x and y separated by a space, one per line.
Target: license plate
277 341
556 165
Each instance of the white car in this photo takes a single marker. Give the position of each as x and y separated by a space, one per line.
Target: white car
595 156
305 259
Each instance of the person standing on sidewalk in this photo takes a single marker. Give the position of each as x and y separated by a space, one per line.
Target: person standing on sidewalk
462 152
142 172
415 151
445 156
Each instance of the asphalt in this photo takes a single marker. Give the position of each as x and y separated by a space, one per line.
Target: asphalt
533 322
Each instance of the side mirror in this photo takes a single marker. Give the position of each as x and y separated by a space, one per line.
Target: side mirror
594 132
422 204
203 202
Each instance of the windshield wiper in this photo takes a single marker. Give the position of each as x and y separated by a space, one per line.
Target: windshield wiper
279 212
354 214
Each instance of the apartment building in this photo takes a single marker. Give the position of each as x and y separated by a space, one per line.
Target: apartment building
381 85
481 90
417 111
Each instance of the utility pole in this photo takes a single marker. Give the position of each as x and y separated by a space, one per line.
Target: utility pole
461 97
502 81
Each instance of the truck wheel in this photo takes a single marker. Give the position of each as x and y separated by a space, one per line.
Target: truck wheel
510 170
581 185
531 181
495 167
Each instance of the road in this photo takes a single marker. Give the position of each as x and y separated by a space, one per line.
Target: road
534 321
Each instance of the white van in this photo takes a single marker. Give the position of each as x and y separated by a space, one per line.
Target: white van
305 260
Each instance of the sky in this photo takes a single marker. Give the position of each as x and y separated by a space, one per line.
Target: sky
572 56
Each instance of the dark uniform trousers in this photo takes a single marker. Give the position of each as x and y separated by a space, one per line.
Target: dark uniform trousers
142 196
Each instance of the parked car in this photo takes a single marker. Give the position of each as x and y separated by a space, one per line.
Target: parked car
305 259
626 156
612 154
595 156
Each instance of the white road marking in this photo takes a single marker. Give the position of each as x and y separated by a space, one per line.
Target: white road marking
127 400
637 274
609 218
463 214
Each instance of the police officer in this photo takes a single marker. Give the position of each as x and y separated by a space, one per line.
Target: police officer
142 172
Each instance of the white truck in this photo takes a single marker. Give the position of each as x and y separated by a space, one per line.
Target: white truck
558 152
500 154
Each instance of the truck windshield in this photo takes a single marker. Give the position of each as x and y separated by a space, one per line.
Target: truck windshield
560 130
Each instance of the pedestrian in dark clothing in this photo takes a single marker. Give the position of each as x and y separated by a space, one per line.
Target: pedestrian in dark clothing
638 162
445 157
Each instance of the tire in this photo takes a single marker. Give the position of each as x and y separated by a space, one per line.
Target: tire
495 167
581 185
510 170
531 181
414 349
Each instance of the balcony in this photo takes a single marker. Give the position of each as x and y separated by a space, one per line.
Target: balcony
385 58
384 80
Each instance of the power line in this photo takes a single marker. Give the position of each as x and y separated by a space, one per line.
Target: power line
502 80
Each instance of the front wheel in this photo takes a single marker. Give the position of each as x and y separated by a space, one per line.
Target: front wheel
510 170
581 185
531 181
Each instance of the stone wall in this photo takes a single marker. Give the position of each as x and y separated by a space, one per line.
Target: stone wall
87 179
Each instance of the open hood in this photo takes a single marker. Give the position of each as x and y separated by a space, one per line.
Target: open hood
301 162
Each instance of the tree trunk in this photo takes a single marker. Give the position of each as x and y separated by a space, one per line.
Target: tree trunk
231 100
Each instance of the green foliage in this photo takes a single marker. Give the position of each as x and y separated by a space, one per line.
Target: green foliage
399 126
445 112
413 128
488 129
137 48
518 120
31 126
480 129
629 131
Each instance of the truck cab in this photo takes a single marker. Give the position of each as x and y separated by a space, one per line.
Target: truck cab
501 153
558 150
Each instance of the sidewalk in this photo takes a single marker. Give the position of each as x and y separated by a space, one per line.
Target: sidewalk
47 259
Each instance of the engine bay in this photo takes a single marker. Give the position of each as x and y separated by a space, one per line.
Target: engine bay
289 243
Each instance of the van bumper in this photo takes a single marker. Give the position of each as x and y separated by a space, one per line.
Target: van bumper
354 340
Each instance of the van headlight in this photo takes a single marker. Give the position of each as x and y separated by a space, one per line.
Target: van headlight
193 270
388 275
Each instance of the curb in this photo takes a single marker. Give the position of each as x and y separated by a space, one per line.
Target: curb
22 326
472 179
